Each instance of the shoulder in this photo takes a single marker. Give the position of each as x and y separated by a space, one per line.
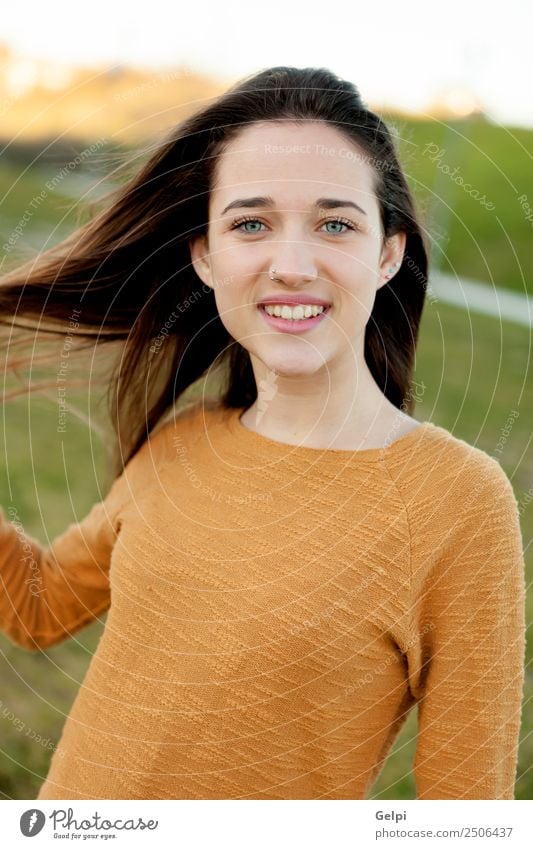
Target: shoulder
460 504
471 463
179 427
182 426
447 470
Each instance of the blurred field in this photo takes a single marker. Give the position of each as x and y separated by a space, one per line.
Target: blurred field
470 239
474 371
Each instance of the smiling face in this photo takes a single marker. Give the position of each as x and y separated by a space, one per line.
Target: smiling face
297 197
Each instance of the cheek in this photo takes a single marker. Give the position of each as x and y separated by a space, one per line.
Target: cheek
354 279
237 273
355 292
242 259
357 263
233 304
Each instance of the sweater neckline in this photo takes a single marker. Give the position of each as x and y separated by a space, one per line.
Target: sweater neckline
260 444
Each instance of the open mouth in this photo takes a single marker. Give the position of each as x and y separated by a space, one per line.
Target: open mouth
300 316
298 323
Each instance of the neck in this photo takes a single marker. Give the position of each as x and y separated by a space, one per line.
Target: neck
320 411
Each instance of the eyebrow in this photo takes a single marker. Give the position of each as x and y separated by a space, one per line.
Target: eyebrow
325 203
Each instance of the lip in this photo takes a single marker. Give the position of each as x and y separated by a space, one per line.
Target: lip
294 300
296 326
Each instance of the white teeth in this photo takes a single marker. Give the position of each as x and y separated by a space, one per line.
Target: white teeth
296 313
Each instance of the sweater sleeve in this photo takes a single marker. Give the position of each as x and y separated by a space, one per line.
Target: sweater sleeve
470 622
47 594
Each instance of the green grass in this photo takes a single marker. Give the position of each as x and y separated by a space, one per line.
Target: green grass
478 242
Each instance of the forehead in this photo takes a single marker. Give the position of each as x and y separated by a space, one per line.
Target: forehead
295 158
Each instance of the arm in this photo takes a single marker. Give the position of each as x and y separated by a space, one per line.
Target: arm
471 618
46 594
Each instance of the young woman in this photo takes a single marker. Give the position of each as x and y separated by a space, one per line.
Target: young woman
292 565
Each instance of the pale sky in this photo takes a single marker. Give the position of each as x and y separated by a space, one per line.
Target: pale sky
398 54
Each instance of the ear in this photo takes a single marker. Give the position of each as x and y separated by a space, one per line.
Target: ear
392 257
200 259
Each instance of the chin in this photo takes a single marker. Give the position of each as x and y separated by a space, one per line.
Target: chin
294 365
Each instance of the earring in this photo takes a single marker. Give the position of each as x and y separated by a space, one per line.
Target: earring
392 270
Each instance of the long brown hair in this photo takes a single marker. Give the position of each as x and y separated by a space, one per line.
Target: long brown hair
128 272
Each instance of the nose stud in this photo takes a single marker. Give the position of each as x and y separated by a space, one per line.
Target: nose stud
272 274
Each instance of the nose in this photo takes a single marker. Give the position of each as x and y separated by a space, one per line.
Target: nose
293 264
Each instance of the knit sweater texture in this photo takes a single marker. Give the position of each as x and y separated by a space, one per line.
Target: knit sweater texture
275 612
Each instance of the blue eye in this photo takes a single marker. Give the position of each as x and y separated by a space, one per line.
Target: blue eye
237 224
343 222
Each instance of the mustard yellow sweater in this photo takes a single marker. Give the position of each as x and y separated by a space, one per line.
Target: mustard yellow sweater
276 611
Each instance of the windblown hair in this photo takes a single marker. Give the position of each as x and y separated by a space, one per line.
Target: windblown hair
128 272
